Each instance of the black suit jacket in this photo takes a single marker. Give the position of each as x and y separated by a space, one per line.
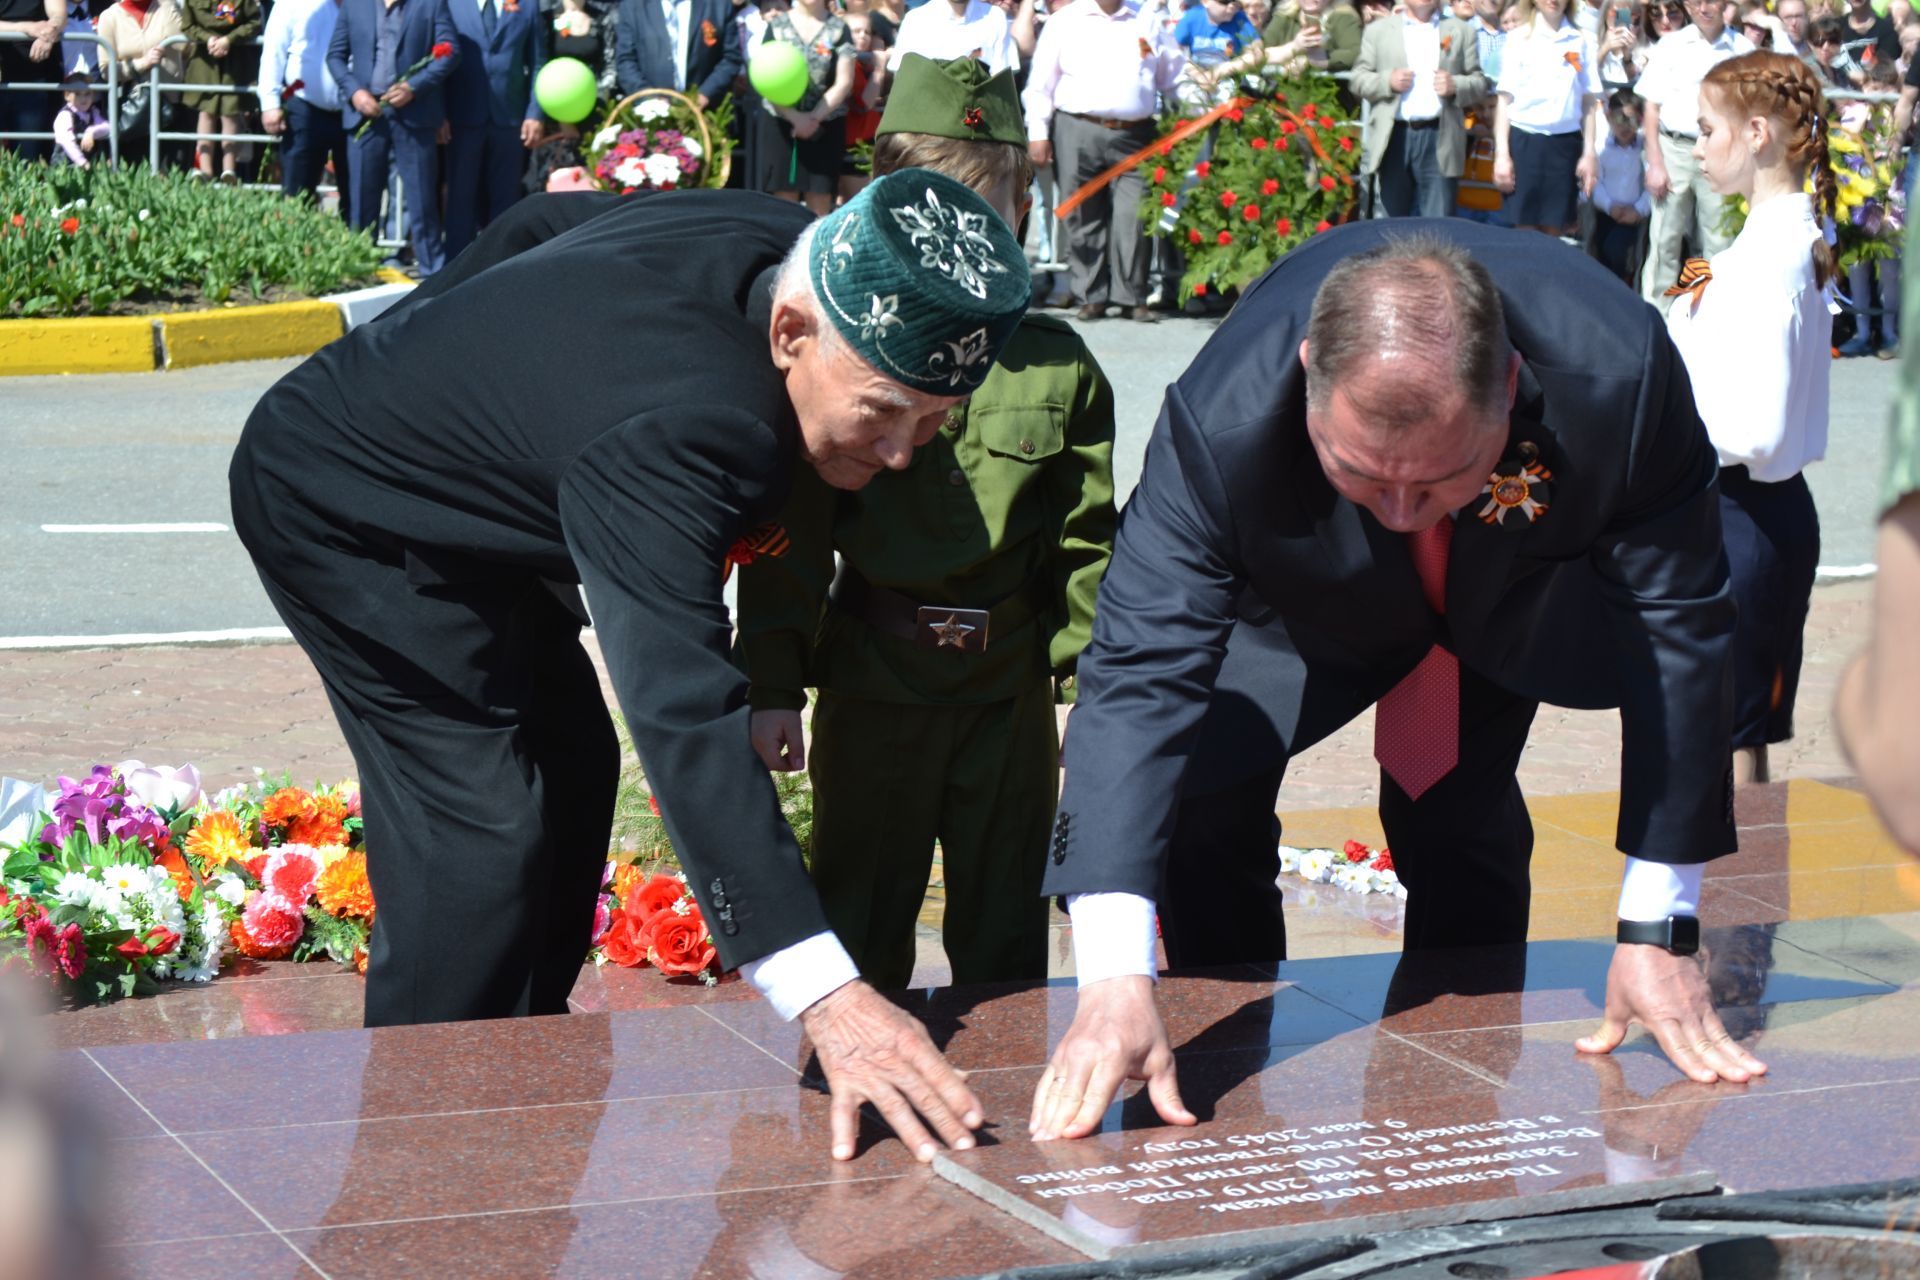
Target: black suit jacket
1616 596
644 52
587 397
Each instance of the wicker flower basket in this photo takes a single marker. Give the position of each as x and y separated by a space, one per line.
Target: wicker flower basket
718 163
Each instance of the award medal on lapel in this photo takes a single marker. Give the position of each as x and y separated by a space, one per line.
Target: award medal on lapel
1518 483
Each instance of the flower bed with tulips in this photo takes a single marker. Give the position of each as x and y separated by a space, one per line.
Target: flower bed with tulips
1261 177
97 242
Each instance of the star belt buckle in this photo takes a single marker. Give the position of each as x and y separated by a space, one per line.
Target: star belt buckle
962 630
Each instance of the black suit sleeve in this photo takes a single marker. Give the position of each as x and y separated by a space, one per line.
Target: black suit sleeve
1160 633
626 48
649 511
1664 574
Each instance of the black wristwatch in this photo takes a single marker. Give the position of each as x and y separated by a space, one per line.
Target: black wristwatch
1679 935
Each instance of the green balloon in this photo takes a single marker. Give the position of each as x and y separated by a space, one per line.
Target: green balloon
778 72
565 90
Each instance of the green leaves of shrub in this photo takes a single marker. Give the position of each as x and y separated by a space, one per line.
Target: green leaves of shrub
75 242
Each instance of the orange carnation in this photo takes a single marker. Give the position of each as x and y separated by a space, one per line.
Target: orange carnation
218 839
169 857
284 805
321 822
343 889
243 943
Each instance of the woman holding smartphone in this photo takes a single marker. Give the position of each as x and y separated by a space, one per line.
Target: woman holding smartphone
1623 44
1754 329
1316 35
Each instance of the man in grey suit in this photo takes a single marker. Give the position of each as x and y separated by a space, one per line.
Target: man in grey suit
1420 69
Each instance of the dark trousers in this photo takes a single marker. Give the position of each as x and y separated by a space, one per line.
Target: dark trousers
487 760
1106 241
28 112
1411 183
1463 849
1618 246
889 780
414 155
1772 533
484 165
313 135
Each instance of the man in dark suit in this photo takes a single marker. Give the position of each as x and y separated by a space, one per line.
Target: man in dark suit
422 505
677 44
374 43
1457 474
491 111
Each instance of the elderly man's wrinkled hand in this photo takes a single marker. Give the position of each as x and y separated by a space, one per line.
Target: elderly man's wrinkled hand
778 740
874 1052
1116 1036
1669 996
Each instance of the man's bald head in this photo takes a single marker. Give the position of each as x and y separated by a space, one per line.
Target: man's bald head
1410 379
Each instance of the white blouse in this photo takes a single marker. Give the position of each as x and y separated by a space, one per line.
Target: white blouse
1758 344
1546 74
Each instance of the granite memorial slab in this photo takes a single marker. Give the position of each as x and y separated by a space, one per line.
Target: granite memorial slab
1244 1182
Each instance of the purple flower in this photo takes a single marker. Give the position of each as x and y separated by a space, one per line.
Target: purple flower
602 916
100 805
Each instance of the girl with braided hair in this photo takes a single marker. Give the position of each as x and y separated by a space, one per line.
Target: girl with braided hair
1755 328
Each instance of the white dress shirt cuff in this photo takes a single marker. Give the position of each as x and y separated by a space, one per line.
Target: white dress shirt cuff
1112 936
1652 891
794 978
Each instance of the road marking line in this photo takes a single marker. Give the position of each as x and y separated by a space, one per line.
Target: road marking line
136 638
1844 572
188 526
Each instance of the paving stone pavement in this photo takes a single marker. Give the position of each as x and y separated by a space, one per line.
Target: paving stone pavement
232 709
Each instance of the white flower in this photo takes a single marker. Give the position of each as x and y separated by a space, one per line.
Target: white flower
1290 859
630 172
230 889
682 906
161 787
607 136
1314 864
144 215
661 169
77 889
125 878
652 109
81 203
694 149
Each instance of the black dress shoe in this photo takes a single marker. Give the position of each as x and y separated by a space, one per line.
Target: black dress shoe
1144 315
1092 311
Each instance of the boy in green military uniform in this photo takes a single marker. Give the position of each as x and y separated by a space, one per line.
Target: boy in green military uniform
953 626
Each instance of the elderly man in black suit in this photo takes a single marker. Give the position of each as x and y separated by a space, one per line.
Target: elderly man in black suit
422 506
687 45
1445 468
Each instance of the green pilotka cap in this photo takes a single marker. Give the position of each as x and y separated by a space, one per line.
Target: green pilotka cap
953 98
922 279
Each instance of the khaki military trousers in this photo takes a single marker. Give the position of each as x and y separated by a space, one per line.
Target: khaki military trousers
889 780
1690 209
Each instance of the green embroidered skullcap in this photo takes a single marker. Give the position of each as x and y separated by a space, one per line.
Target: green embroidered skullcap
953 98
921 277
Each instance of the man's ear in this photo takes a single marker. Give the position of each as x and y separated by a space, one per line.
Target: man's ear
789 333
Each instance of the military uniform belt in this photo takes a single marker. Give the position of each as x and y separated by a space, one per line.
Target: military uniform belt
929 626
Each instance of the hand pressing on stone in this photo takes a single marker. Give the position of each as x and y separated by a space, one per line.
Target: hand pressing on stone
874 1052
1116 1036
1669 996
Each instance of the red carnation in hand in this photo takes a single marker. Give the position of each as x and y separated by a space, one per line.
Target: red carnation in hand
1167 199
1194 237
1251 213
1204 168
1327 183
1227 199
70 226
1258 144
443 50
1270 186
1283 227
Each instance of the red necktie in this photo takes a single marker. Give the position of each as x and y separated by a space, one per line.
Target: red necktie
1416 727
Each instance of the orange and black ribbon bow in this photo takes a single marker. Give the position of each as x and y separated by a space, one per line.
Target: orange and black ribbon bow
767 540
1695 275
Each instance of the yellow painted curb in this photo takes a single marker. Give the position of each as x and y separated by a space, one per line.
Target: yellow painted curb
194 338
393 275
113 344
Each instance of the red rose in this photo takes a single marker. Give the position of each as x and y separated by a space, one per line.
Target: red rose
1355 851
1193 236
1200 291
1288 126
1225 237
442 50
1251 213
1258 144
1159 174
678 944
70 225
1322 225
161 940
1270 186
1167 199
1283 227
132 948
1204 168
622 943
1327 183
658 894
1346 142
1227 199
